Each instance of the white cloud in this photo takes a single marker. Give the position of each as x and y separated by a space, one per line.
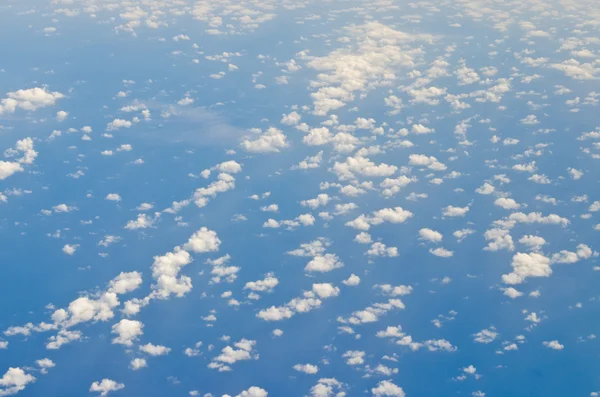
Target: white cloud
112 197
61 116
527 265
379 52
117 124
485 189
387 388
420 160
362 166
270 141
29 100
575 174
325 290
204 240
125 282
265 285
512 293
430 235
323 263
242 350
155 350
306 368
380 249
352 281
138 363
455 211
441 252
554 344
486 335
14 381
127 331
507 203
143 221
292 118
165 271
106 386
253 392
70 249
320 201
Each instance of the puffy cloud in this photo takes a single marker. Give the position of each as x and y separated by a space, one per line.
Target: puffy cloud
387 388
117 124
165 271
275 313
430 235
138 363
204 240
420 160
455 211
507 203
462 234
306 368
155 350
527 265
499 239
63 337
398 290
8 168
127 331
242 350
309 162
577 70
45 364
270 141
583 252
23 147
224 182
394 185
253 392
380 249
379 52
292 118
228 167
70 249
354 357
267 284
352 281
363 238
125 282
362 166
512 293
327 387
320 201
575 174
14 381
441 252
106 386
534 242
325 290
143 221
30 99
324 263
113 197
421 129
537 217
61 115
373 313
486 336
553 344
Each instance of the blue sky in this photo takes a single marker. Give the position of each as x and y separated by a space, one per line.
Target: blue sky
295 198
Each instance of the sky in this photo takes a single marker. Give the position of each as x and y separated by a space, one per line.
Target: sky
288 198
